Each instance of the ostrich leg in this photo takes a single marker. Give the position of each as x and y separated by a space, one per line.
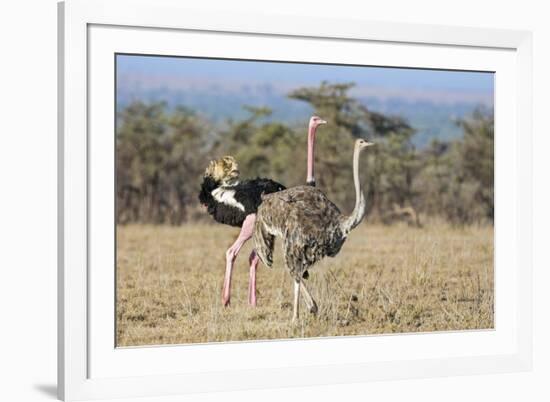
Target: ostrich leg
253 260
232 252
296 311
311 305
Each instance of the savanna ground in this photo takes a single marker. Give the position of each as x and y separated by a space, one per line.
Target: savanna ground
386 279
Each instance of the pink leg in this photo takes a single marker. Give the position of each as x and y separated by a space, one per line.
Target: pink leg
232 252
253 260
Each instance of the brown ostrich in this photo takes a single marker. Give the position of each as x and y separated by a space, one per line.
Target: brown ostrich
309 224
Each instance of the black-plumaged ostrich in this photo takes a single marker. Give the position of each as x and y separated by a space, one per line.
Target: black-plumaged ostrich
233 202
310 225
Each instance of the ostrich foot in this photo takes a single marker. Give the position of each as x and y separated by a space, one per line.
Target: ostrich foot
226 301
311 305
314 309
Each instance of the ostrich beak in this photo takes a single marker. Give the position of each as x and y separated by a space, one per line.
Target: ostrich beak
362 144
322 122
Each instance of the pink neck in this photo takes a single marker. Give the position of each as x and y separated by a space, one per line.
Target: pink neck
310 154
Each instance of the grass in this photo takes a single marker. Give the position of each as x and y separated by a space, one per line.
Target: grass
386 279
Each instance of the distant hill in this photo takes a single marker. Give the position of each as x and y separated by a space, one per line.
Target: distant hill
432 119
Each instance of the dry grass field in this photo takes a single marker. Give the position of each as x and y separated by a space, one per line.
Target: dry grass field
386 279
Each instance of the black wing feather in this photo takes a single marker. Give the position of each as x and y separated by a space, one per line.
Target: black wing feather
249 192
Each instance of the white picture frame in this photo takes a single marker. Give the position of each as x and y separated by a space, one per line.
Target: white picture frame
90 367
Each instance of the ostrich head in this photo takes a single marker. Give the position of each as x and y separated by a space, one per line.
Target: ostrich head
316 121
362 144
224 170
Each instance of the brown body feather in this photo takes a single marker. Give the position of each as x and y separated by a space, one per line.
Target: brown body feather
308 222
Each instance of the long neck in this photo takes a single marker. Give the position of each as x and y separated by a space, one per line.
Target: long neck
351 221
310 155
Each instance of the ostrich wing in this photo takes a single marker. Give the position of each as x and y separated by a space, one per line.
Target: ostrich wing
313 223
305 218
249 192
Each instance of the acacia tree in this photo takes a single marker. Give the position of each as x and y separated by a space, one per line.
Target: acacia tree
476 152
456 179
390 167
139 157
262 147
159 156
186 152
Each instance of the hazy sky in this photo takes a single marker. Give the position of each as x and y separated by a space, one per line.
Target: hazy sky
289 74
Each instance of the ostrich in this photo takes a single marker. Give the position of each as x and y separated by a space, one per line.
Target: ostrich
233 202
310 225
